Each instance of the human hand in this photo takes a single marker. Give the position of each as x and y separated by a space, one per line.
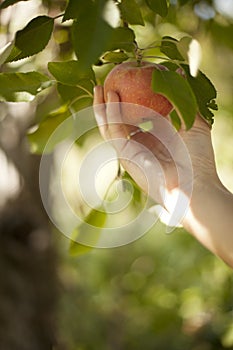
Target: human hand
161 159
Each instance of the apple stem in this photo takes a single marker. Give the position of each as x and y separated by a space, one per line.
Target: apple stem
138 55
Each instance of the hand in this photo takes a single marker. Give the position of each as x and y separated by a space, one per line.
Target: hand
163 161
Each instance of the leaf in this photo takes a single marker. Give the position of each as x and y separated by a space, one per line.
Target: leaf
99 36
7 3
115 57
17 87
77 249
169 48
158 6
130 12
90 46
79 103
183 2
77 97
89 232
176 122
68 92
121 38
177 90
5 52
205 93
170 65
183 46
75 84
194 57
70 72
137 192
14 54
190 49
39 138
33 38
76 9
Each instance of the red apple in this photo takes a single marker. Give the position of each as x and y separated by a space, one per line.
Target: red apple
132 82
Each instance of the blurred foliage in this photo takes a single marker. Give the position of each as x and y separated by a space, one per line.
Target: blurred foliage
162 291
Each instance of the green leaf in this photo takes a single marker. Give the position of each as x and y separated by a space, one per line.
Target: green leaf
75 84
115 57
177 90
137 192
15 52
5 52
39 138
175 119
170 65
70 72
33 38
80 102
99 36
17 87
169 48
130 12
183 46
77 97
121 38
90 46
68 92
7 3
158 6
204 91
77 249
183 2
89 231
76 9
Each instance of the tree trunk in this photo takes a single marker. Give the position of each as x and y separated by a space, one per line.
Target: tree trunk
28 284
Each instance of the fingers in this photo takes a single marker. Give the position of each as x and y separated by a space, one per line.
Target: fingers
100 111
117 129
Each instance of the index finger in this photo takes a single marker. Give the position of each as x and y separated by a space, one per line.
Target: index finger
100 111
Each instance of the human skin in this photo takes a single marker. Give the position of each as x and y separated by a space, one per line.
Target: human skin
209 213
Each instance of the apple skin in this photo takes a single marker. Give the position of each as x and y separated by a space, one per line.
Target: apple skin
132 82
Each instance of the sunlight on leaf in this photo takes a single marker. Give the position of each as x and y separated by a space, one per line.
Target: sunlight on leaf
31 83
39 138
194 56
111 14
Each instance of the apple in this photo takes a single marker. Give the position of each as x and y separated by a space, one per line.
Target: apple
132 82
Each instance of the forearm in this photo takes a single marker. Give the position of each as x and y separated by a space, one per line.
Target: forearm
210 218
